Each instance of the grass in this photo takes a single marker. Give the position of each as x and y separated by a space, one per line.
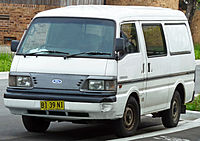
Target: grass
197 51
195 105
5 61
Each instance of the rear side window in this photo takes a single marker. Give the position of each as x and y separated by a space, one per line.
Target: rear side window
178 39
154 39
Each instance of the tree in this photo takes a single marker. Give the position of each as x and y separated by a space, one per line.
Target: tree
190 7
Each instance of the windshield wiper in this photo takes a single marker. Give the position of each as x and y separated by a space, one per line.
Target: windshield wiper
88 53
46 51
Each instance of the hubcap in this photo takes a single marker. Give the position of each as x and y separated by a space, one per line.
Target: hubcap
129 118
175 110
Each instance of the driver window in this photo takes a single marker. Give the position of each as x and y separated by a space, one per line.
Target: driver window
129 33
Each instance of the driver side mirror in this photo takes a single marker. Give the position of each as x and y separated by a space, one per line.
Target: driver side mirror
14 45
120 44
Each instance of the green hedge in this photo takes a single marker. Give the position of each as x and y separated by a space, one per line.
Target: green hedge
195 105
5 62
197 51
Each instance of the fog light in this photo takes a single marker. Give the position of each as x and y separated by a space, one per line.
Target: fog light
106 107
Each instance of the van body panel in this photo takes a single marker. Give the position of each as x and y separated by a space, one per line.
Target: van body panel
14 64
80 66
130 76
122 13
111 68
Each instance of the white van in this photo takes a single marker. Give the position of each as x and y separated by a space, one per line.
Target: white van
110 63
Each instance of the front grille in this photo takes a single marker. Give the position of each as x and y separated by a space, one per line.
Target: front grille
58 81
71 114
53 113
36 112
57 113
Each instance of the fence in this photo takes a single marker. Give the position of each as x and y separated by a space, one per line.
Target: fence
54 2
35 2
82 2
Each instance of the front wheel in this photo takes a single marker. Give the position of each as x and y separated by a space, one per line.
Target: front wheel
35 124
127 125
171 117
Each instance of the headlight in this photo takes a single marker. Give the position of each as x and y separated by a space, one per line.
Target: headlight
20 81
96 85
23 81
101 85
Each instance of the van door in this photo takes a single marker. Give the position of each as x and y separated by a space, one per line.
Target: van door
157 67
131 65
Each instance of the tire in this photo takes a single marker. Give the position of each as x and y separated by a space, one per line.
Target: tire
35 124
128 124
171 117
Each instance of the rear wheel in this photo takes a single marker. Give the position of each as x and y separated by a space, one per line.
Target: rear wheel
171 117
127 125
35 124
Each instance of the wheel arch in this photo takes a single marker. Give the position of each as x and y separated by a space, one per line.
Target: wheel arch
180 88
135 94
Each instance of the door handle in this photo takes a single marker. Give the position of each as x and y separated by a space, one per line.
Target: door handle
149 67
143 68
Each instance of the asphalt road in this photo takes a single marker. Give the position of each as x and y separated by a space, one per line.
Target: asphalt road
186 135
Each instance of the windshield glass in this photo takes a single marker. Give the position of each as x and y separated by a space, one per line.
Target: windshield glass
68 36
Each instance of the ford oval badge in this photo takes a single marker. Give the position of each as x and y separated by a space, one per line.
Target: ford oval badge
57 81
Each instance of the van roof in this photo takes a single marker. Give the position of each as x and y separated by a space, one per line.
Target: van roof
117 13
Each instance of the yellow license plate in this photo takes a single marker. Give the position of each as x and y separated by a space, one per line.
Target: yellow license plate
52 105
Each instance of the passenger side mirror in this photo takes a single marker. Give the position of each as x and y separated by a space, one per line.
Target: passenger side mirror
120 43
14 45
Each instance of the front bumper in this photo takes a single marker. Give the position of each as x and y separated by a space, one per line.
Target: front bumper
73 110
78 105
66 95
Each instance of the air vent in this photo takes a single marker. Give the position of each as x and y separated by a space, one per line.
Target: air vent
72 114
53 113
35 112
56 113
34 80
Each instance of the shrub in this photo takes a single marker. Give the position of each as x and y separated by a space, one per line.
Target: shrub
195 105
197 51
5 61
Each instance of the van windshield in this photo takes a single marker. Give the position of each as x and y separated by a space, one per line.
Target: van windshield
69 37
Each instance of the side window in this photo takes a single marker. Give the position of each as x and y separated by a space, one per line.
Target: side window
178 39
128 32
154 39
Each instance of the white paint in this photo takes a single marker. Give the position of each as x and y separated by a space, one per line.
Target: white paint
59 65
117 13
166 138
180 127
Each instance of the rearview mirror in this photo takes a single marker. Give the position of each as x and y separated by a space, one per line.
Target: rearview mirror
14 45
120 43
